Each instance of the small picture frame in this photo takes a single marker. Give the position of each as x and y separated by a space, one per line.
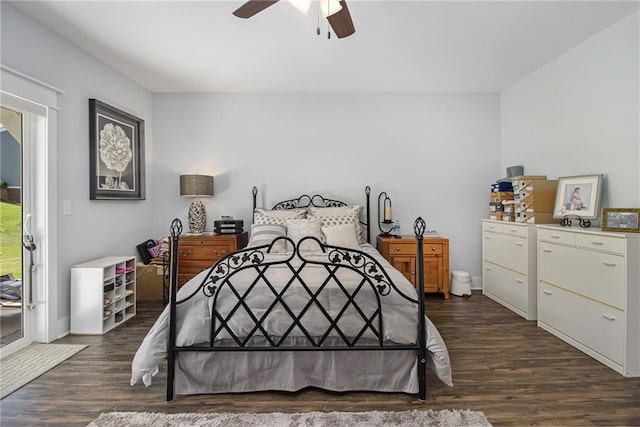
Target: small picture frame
626 220
116 154
578 195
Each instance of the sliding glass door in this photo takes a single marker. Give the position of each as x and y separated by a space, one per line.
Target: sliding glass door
15 235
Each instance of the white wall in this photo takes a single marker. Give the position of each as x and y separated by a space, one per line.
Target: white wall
579 115
95 228
435 155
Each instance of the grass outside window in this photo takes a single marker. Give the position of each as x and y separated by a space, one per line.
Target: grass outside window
11 239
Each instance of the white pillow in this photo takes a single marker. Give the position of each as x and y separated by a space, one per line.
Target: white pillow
264 234
267 216
339 216
300 228
343 235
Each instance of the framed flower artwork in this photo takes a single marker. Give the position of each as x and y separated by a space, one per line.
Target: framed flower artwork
116 153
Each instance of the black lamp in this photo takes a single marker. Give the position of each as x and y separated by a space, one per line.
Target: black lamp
385 201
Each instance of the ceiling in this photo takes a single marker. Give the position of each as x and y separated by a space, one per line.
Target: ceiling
399 46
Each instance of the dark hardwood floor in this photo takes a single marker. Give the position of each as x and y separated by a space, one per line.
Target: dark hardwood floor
503 365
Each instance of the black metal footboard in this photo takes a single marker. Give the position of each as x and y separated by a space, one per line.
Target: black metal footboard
253 286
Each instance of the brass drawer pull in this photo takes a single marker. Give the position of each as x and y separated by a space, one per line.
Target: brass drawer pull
185 253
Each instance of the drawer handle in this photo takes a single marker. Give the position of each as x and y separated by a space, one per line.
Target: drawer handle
487 268
519 244
519 280
547 250
609 264
596 242
487 237
547 292
397 248
513 230
433 249
608 317
185 253
555 236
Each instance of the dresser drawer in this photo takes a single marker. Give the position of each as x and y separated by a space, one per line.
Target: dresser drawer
506 228
556 236
597 275
508 251
507 285
600 242
201 241
598 326
210 252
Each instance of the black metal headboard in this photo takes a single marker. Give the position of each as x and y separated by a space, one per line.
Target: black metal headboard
317 201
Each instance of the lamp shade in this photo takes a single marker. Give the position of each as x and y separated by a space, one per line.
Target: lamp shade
196 185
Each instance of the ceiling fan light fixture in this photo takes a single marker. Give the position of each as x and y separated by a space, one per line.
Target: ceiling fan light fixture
302 5
330 7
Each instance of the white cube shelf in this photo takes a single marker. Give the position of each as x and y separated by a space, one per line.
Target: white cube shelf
103 294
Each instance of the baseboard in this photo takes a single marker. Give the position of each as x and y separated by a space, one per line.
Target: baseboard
63 327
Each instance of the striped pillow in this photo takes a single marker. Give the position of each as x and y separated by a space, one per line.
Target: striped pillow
263 234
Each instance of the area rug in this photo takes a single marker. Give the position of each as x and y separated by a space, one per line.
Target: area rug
415 418
29 363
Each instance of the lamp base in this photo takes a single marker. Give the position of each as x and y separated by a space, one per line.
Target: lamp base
197 217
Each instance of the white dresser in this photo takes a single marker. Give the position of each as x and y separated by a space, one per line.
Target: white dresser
509 265
588 293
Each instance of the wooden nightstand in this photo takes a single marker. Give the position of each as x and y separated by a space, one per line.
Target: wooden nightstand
401 253
200 251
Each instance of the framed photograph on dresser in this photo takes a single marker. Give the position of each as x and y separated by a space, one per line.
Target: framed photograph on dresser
626 220
578 195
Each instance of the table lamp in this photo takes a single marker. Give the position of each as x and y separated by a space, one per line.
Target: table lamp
385 202
196 186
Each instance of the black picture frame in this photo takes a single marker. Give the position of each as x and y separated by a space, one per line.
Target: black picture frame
116 153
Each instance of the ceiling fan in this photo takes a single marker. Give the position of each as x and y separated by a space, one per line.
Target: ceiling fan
336 12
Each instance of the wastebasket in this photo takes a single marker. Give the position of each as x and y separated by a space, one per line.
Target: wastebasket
460 283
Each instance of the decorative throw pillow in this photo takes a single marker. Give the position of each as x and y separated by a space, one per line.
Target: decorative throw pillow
339 216
300 228
264 234
342 235
267 216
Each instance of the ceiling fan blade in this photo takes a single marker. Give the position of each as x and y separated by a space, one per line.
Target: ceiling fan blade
341 21
252 7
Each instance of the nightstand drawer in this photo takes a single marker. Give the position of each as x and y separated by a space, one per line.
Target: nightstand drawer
202 252
402 249
431 248
411 248
402 253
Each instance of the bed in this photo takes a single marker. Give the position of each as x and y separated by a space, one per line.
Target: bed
308 303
